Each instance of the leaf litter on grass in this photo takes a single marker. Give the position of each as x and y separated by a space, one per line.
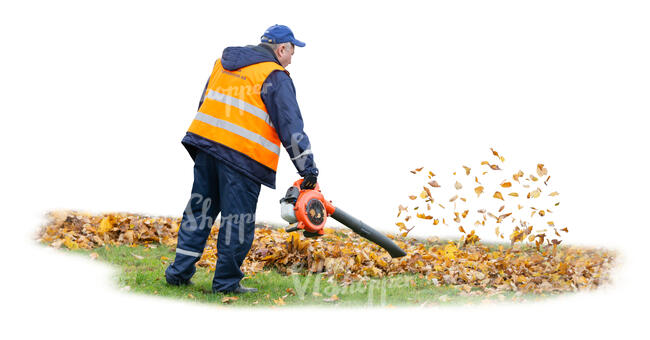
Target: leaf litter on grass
346 257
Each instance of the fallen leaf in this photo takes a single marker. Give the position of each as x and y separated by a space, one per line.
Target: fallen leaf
434 184
229 299
541 170
534 194
332 298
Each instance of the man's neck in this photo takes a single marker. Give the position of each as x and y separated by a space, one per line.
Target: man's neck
267 50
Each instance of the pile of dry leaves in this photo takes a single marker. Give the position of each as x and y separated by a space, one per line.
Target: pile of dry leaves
347 257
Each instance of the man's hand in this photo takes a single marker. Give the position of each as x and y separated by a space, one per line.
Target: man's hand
308 182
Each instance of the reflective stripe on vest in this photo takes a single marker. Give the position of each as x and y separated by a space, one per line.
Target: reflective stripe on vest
234 115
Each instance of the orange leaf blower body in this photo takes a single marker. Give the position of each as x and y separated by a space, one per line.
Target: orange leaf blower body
310 210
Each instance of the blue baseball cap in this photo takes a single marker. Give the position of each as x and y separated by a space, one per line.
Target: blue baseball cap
278 34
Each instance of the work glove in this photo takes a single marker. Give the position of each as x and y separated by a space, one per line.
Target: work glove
308 182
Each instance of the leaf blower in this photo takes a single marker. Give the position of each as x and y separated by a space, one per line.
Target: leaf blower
309 208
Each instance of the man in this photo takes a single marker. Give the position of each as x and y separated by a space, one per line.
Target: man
247 110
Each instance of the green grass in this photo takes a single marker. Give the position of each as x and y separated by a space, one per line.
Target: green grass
141 269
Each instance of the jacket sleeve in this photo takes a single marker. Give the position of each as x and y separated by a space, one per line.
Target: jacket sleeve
279 96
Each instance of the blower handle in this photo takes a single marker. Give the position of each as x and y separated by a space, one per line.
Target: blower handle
367 232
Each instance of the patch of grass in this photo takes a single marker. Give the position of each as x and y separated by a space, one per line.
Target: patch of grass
142 268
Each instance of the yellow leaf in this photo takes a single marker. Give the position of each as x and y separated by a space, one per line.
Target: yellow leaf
506 184
534 194
458 186
105 225
478 190
467 169
498 195
428 193
425 217
70 244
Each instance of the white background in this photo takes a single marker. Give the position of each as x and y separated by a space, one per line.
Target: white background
96 97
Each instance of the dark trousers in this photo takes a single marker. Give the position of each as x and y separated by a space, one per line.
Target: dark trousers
217 188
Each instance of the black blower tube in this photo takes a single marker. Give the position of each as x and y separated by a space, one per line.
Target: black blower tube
368 233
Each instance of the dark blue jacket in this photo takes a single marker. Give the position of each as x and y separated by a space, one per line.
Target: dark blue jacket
279 96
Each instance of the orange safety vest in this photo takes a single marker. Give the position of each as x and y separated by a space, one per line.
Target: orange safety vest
234 115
